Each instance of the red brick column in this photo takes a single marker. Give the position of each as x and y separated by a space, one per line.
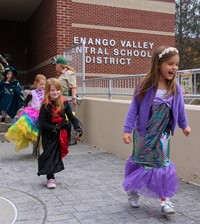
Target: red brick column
64 25
50 32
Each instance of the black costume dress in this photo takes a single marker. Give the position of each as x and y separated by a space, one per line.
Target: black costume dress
50 161
11 97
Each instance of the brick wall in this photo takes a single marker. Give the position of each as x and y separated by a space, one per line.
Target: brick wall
50 32
98 15
48 71
64 25
13 42
138 64
42 33
119 17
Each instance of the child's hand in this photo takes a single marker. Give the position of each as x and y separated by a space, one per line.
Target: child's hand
79 132
127 138
65 125
74 101
186 131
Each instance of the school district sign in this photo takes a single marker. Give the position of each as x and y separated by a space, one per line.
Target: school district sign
111 51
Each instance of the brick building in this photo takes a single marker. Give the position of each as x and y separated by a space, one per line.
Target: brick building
120 36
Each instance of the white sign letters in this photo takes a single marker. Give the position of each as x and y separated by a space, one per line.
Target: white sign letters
110 51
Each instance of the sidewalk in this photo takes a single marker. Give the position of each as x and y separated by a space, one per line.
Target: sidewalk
88 191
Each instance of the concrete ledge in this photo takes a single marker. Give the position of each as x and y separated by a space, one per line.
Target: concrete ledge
103 127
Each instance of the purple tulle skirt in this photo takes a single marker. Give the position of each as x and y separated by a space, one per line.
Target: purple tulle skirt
154 183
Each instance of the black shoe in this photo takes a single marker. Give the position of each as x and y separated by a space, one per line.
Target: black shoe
3 120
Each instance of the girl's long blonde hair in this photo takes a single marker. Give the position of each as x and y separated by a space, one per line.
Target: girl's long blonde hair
59 103
152 77
39 77
68 68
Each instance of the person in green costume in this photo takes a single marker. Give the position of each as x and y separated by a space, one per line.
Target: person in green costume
11 96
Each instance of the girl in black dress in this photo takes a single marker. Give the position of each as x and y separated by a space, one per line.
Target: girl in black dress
55 131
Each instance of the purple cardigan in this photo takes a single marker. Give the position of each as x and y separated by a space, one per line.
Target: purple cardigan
139 111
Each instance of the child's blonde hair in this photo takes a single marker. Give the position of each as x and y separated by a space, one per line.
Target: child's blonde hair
53 82
38 78
68 67
161 54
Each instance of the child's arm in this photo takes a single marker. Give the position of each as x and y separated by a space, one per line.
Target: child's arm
27 100
186 131
17 88
182 119
127 138
71 117
132 114
73 87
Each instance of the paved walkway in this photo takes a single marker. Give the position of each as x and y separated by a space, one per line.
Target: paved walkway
88 191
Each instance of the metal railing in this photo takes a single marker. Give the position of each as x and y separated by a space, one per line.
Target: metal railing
75 57
112 85
195 79
124 85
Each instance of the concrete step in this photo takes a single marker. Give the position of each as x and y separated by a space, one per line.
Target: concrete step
4 127
195 102
3 130
9 119
2 139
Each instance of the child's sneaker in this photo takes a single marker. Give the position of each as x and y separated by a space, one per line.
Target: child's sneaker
133 198
167 208
51 184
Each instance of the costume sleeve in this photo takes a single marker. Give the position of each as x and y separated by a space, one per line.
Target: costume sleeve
43 119
70 116
72 81
182 119
132 114
16 86
27 100
1 90
64 82
68 81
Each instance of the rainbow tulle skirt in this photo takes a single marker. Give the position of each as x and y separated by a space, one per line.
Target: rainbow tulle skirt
25 130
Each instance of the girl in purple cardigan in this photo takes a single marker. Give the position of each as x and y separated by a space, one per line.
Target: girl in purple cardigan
157 107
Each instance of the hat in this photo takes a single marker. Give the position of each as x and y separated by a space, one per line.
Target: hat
60 61
9 69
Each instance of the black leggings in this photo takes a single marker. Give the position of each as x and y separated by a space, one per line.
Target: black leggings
50 176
